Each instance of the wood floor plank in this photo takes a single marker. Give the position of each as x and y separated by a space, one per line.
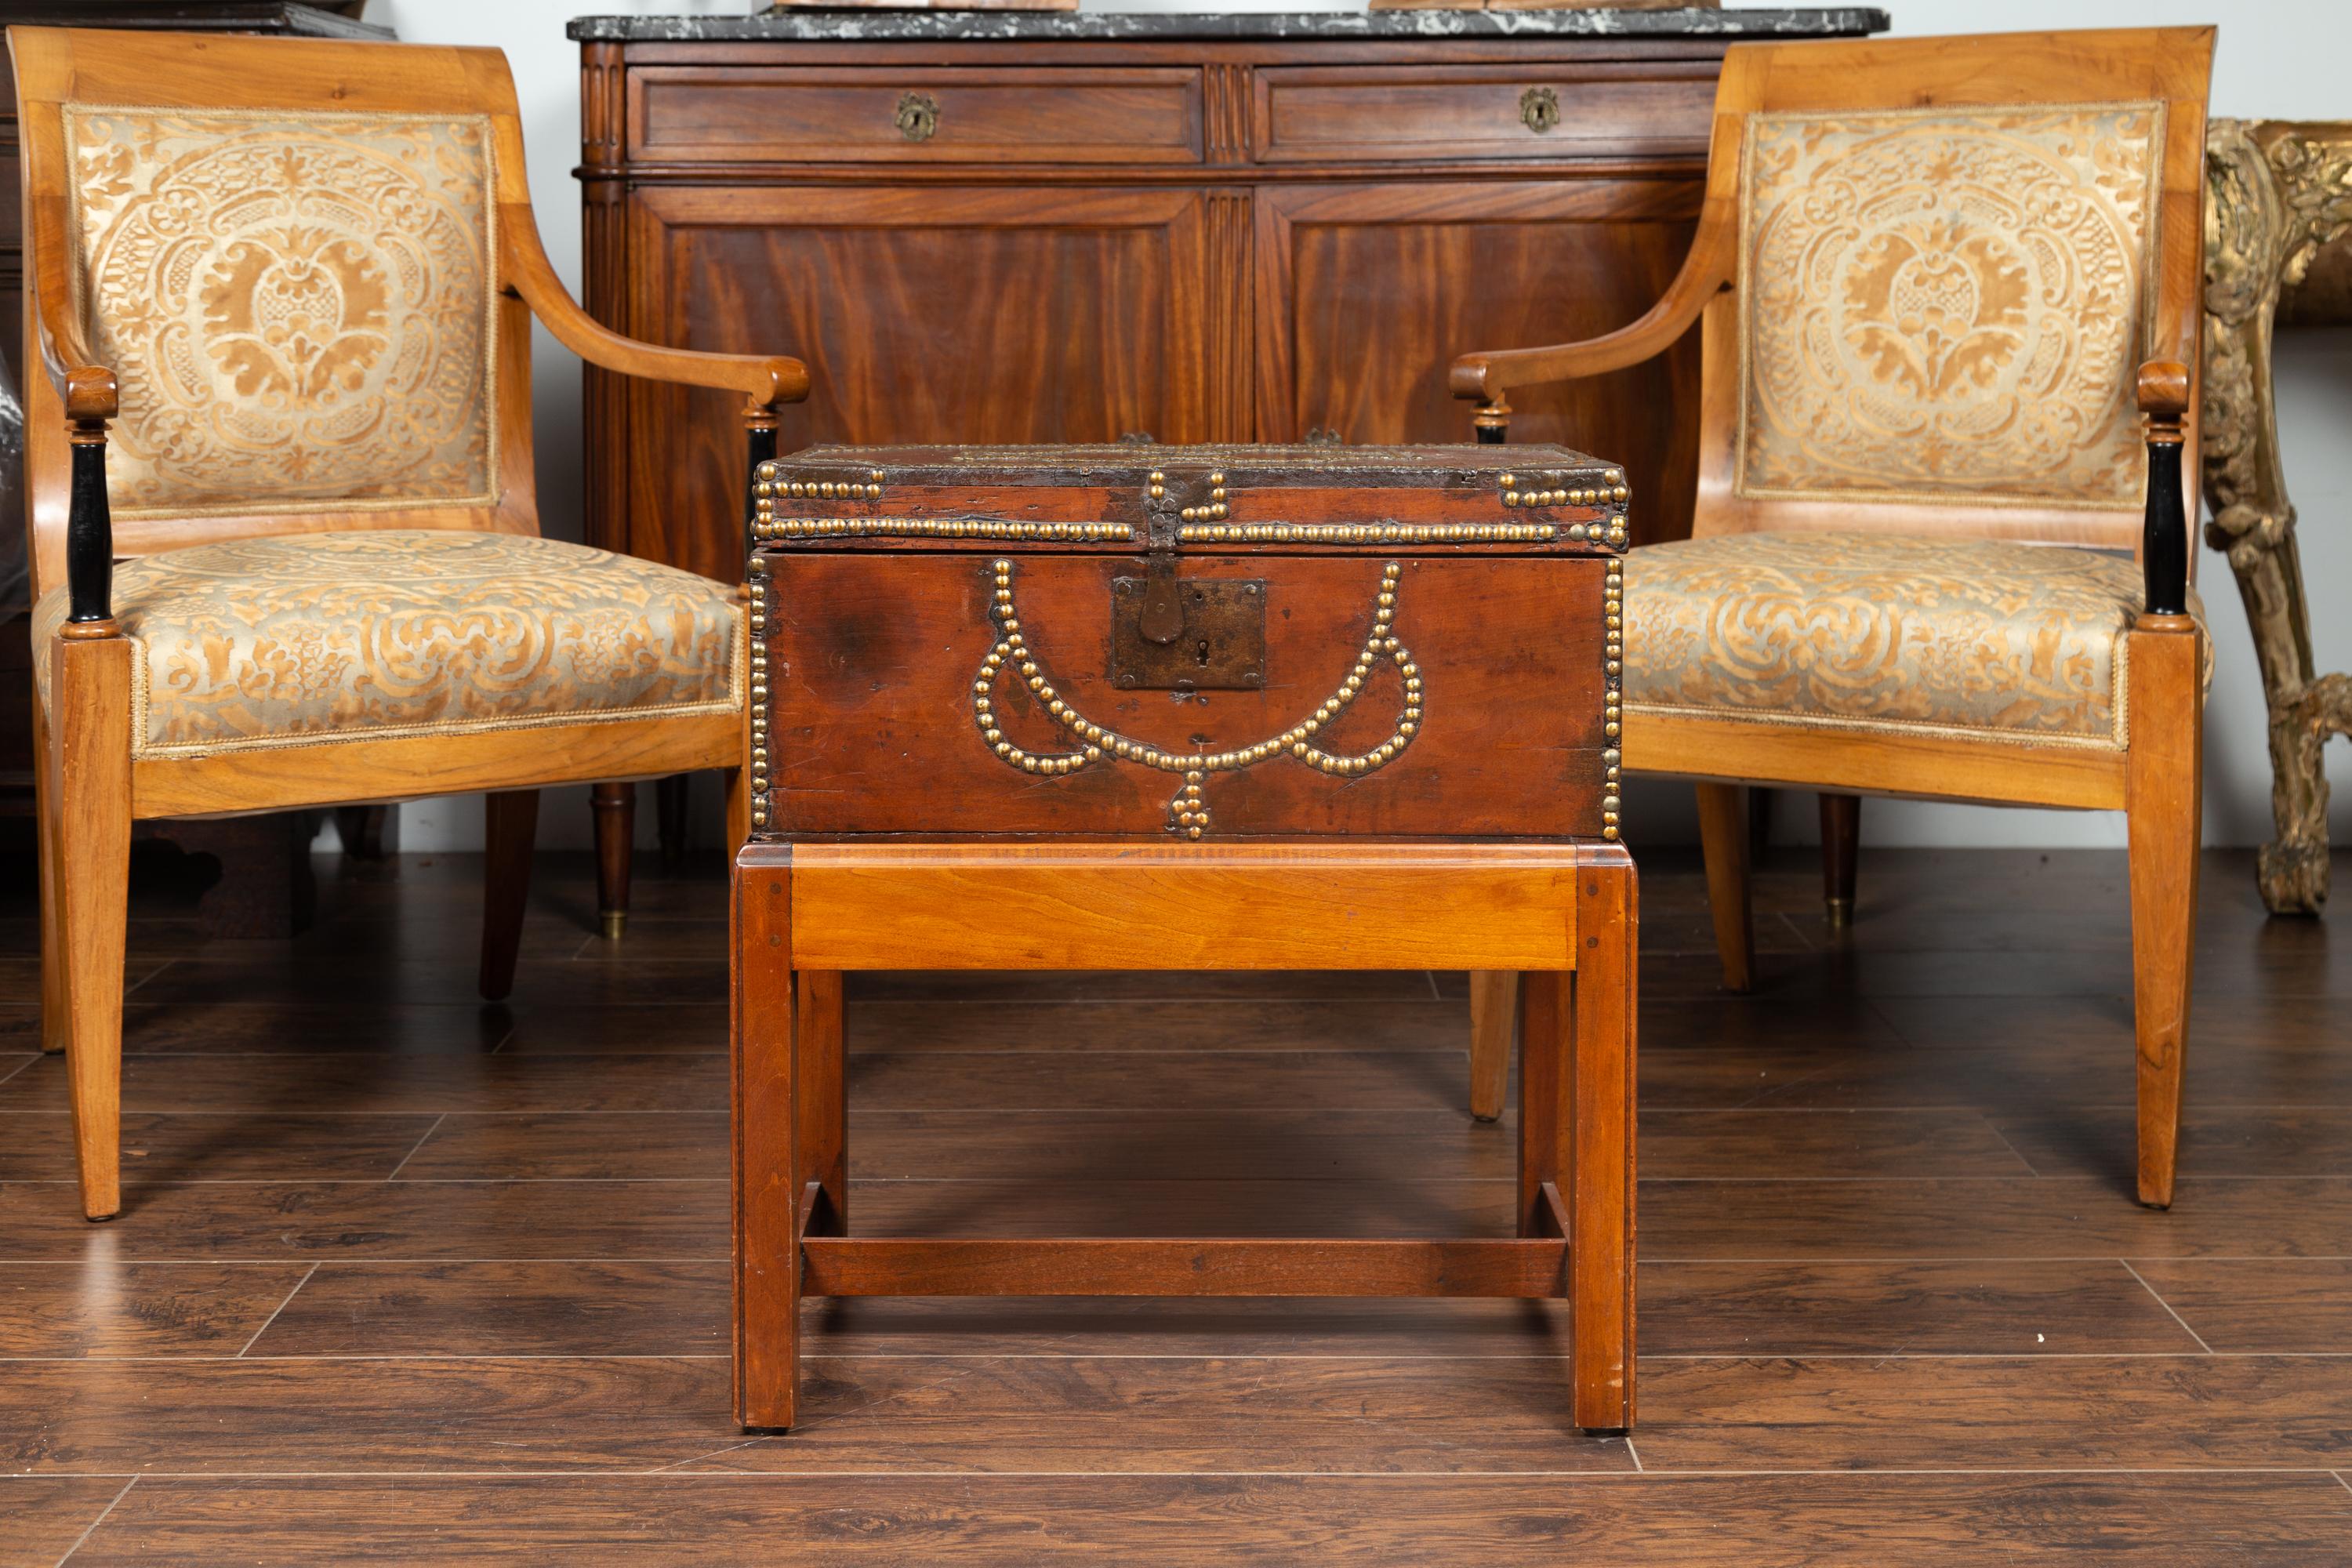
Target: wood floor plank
2275 1304
43 1517
97 1308
2267 1141
2057 1307
972 1415
1790 1221
245 1029
2015 1307
2170 1520
37 1145
2021 1218
273 1221
2023 1412
1210 1415
385 1084
230 1416
577 1308
1307 1144
688 1027
359 983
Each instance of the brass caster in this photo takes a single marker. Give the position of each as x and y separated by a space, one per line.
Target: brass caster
1838 912
614 921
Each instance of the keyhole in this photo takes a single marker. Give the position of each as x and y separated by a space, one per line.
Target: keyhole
1200 653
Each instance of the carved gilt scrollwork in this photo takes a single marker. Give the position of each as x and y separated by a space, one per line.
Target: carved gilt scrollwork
2276 193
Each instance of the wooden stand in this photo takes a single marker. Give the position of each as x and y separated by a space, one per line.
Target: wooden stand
1560 914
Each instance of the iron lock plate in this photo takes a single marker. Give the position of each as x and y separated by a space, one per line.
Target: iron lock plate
1220 646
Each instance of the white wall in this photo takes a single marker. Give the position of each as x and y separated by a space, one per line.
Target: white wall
2278 59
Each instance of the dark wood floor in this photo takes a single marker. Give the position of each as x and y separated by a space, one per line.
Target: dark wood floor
403 1278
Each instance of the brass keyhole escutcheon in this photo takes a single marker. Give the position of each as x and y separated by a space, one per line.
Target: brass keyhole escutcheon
919 116
1539 109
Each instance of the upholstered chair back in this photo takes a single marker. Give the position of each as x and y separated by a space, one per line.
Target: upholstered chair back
299 295
1938 304
297 307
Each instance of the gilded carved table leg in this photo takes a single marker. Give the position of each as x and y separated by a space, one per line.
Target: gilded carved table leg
2277 192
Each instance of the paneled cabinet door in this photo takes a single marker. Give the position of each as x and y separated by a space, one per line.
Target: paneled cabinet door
987 314
1365 293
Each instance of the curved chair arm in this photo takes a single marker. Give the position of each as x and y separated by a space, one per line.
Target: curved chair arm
764 380
1705 272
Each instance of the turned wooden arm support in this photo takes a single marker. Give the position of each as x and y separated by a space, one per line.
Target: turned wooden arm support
2164 543
1491 377
92 397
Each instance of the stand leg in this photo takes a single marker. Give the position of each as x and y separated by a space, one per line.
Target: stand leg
823 1153
1599 1188
767 1228
1543 1099
1493 1022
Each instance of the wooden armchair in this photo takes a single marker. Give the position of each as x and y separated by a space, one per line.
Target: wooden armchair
282 291
1939 283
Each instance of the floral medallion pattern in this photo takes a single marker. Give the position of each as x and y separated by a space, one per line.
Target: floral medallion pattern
2010 642
300 639
1946 304
300 312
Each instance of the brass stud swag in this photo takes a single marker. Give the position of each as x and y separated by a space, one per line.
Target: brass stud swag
1187 813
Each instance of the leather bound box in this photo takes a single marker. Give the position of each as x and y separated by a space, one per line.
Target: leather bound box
1207 642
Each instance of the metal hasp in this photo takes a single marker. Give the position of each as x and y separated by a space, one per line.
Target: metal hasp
1202 634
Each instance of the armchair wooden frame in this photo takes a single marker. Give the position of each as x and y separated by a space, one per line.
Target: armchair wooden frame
2155 779
92 786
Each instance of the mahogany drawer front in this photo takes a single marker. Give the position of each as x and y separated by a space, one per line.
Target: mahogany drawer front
1422 114
873 660
914 114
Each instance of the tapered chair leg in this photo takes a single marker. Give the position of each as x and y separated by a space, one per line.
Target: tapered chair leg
615 808
511 823
86 775
2163 803
1723 839
1841 844
1494 1029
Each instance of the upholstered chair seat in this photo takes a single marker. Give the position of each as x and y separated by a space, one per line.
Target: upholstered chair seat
1884 632
302 639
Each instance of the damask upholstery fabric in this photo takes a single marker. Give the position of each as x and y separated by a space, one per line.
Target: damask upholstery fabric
1892 633
1946 304
300 311
306 638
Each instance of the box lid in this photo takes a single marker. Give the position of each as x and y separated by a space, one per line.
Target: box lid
1130 497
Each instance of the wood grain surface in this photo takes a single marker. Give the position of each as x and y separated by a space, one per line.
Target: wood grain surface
444 1284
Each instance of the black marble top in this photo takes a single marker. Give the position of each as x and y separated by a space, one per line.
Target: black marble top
885 27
